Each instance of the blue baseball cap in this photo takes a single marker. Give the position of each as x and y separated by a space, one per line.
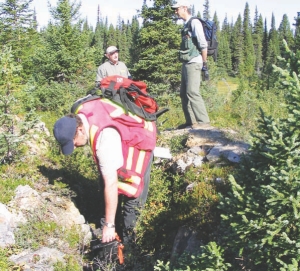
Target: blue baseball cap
64 131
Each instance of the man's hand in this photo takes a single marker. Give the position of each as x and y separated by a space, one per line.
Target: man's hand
205 72
108 234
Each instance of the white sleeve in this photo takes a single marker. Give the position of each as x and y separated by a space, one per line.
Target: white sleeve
197 31
109 151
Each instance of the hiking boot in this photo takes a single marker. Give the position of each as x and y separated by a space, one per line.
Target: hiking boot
183 126
200 125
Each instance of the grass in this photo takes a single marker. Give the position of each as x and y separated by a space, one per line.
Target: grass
5 264
227 85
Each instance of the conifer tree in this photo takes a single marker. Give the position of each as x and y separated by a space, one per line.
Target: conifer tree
297 32
285 33
246 67
257 35
224 54
236 44
273 36
65 55
123 43
14 129
159 43
216 20
273 51
98 43
262 209
134 50
265 43
206 10
111 36
18 30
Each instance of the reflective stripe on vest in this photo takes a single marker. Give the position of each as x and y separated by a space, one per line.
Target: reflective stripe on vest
93 131
149 126
129 186
120 111
129 158
78 108
139 162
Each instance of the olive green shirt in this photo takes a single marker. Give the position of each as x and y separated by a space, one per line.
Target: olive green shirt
109 69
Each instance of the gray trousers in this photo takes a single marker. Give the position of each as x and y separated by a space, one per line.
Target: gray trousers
192 103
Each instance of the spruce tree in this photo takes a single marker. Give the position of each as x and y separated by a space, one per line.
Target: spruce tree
285 33
98 43
18 31
246 67
134 49
257 35
65 55
262 209
273 37
111 36
14 125
206 10
224 54
159 40
273 51
265 43
236 44
297 32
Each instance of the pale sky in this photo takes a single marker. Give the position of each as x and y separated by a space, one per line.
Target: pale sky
127 9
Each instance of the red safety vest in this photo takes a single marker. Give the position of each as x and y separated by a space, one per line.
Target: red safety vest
138 138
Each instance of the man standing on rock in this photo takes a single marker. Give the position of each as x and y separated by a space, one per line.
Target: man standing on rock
192 63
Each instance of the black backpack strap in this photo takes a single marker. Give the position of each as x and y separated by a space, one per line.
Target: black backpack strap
109 92
133 87
129 104
83 100
189 23
189 26
125 101
161 111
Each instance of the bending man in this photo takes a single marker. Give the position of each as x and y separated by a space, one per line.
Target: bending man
122 147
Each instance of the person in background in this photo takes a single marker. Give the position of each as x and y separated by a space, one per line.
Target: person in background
113 66
193 62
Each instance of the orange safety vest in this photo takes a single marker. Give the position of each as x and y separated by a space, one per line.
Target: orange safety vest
138 138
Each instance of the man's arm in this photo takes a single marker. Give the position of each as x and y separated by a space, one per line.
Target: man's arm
109 153
204 55
101 73
111 203
197 31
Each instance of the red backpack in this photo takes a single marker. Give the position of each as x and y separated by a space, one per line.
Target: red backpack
132 95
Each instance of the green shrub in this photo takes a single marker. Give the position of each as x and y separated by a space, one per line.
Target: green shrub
261 210
55 97
209 258
36 232
5 264
71 264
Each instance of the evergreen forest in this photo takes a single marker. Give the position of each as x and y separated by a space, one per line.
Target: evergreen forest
250 221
